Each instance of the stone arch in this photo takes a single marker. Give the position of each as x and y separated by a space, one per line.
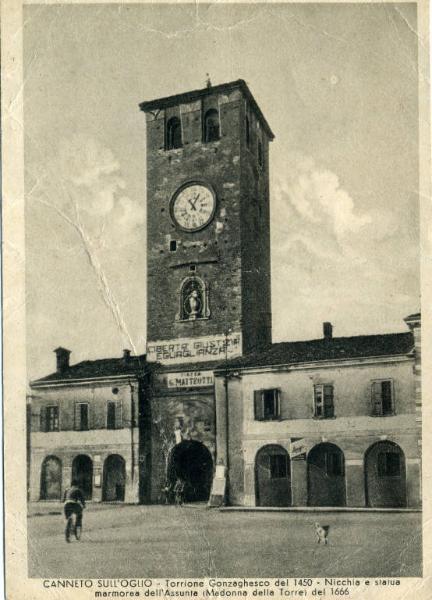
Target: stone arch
326 476
82 472
192 462
211 125
385 475
51 478
114 478
193 299
272 476
173 133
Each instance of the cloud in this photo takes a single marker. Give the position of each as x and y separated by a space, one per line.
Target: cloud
333 257
83 181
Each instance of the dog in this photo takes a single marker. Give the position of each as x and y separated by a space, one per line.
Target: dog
322 532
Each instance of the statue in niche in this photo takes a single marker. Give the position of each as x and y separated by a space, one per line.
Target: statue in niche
192 300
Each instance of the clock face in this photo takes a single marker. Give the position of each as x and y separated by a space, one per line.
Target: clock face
193 207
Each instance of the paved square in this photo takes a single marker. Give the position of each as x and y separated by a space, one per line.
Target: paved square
165 541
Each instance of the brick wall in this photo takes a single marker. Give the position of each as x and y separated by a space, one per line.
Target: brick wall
232 254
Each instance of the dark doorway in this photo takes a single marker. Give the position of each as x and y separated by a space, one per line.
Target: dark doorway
192 462
326 476
272 477
82 471
51 478
385 476
114 479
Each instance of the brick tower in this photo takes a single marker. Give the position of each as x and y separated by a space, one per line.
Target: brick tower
208 247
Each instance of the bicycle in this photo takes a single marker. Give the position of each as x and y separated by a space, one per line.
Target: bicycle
73 527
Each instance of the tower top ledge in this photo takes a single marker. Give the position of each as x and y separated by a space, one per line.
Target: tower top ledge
194 95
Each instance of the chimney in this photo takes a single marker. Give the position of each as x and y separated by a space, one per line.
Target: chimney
62 359
126 356
327 330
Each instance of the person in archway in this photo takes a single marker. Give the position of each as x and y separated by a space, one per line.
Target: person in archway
74 504
167 492
179 488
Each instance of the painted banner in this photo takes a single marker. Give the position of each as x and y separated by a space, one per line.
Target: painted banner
190 379
185 350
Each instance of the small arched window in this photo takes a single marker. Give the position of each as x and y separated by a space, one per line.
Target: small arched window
173 134
211 126
260 154
247 132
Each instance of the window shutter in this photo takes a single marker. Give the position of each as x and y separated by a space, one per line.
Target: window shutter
328 401
386 397
258 405
118 415
89 415
376 399
318 401
77 416
277 403
43 418
56 418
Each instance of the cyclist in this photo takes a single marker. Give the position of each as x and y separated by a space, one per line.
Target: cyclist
74 504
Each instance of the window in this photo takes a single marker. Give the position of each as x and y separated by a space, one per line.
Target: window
323 401
389 464
382 398
278 466
114 415
49 418
211 126
81 416
173 134
111 415
247 126
173 245
266 405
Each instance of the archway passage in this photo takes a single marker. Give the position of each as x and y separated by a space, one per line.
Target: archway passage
51 478
272 477
192 462
385 476
326 476
82 471
114 478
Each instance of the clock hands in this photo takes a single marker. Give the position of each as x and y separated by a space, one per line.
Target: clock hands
193 203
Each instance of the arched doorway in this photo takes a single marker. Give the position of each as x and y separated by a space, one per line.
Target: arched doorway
82 471
385 475
192 462
114 478
326 476
272 477
51 478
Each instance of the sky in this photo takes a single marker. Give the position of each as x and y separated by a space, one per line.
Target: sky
338 86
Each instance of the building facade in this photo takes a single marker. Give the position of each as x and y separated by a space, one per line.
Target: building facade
330 422
85 424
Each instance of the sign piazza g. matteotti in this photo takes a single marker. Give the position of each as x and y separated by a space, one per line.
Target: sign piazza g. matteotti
200 349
